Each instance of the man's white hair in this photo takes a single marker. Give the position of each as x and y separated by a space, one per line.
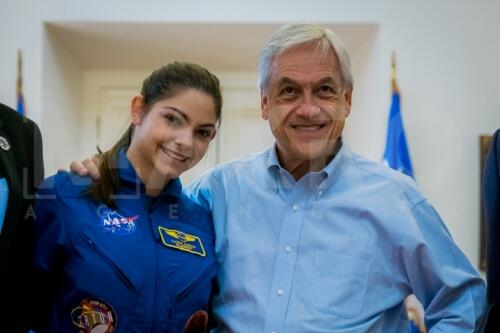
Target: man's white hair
292 35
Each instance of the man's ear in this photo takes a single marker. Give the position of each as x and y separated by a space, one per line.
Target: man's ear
264 104
137 109
348 100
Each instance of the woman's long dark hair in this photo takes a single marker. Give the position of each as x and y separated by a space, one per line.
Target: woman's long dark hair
165 82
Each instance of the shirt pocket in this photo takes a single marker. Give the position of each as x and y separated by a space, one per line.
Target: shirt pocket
338 279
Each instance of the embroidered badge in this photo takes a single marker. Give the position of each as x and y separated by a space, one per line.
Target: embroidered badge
94 316
4 144
181 241
111 221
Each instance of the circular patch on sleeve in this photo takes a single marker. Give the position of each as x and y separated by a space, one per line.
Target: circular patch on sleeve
94 316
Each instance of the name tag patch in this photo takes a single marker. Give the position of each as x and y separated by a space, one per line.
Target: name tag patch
181 241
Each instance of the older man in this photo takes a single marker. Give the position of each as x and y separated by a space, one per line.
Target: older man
314 238
311 237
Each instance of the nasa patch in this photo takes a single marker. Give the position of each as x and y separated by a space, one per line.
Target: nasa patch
113 222
93 315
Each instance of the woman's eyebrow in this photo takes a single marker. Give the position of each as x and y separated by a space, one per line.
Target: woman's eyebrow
185 116
207 125
179 111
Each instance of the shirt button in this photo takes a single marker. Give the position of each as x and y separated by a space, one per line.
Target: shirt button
295 207
288 249
280 292
320 192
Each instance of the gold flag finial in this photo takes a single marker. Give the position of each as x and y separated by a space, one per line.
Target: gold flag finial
19 72
393 72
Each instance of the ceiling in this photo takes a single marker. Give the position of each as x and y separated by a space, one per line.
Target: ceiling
218 46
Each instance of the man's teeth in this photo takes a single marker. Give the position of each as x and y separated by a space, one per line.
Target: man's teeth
308 127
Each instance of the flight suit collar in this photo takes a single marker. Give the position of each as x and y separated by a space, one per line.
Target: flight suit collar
128 175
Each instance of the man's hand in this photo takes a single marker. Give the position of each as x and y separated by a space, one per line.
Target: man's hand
89 166
415 312
197 323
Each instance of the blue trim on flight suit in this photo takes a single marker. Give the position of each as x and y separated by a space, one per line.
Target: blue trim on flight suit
150 287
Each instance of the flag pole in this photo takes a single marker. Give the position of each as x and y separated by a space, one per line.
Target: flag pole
21 108
19 89
393 73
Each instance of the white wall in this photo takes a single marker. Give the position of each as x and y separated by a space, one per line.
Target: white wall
447 52
60 104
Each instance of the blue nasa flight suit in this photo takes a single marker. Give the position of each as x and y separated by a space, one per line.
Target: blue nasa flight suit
145 267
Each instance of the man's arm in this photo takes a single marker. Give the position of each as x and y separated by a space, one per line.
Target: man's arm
198 191
442 278
38 168
491 199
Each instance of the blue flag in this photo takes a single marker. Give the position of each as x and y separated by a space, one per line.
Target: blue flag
412 307
413 328
21 108
396 153
20 103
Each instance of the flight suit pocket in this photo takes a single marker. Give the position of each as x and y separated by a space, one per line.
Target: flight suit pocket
203 279
195 296
124 271
99 288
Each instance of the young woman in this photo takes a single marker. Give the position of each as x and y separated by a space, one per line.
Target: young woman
129 252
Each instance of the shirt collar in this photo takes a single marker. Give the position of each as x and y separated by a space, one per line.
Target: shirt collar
273 161
337 165
127 173
331 171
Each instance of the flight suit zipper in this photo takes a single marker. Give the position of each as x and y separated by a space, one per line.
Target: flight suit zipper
157 278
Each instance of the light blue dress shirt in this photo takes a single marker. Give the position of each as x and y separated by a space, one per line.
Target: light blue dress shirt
4 198
336 251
